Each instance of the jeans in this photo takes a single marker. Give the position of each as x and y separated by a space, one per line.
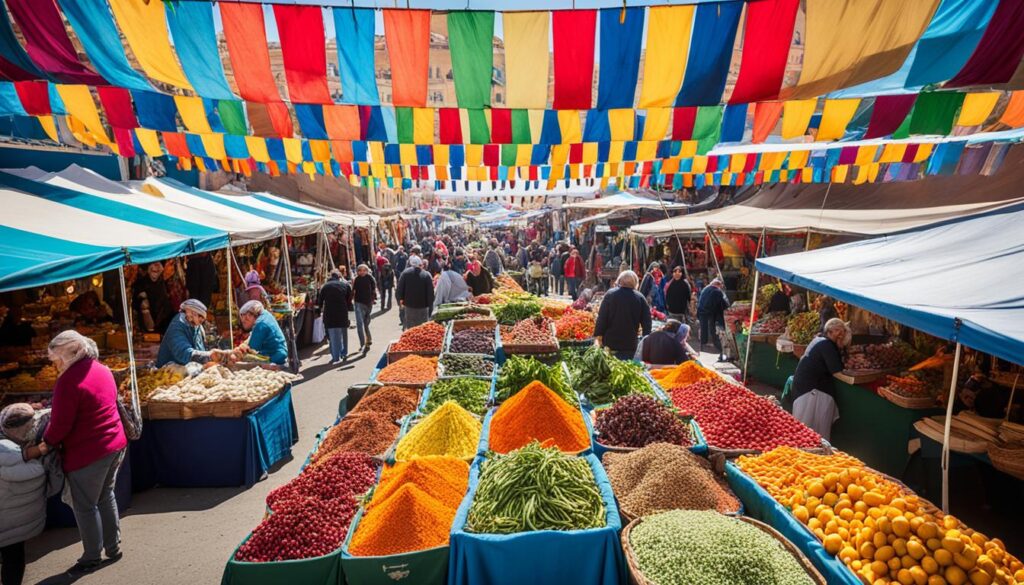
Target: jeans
92 500
337 339
574 283
12 563
708 330
624 355
414 317
559 284
385 297
363 323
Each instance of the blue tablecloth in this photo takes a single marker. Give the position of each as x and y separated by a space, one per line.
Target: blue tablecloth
539 558
215 452
761 506
60 515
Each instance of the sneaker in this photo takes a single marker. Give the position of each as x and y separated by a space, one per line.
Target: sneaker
113 558
84 568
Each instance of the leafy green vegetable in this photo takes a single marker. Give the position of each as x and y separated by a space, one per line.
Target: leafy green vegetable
602 378
516 310
470 393
518 371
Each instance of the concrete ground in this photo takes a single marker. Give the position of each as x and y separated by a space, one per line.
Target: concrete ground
184 536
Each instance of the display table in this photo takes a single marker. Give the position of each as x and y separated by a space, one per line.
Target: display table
60 515
215 452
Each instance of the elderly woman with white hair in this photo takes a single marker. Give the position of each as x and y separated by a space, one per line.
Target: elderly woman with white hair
265 335
623 313
185 340
814 388
86 427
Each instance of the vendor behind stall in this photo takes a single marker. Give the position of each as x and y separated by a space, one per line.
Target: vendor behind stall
813 393
184 340
265 335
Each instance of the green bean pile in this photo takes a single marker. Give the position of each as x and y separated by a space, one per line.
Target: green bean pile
534 488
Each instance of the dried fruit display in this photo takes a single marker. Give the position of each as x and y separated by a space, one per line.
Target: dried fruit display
219 384
412 369
428 337
802 327
575 325
300 528
472 340
771 324
535 332
344 475
880 356
637 421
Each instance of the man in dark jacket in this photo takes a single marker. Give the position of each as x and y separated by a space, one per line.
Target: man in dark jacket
623 312
677 296
335 300
386 285
711 306
401 258
364 288
663 346
492 259
479 279
415 294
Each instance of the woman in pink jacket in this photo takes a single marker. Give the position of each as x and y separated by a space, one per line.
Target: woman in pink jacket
86 427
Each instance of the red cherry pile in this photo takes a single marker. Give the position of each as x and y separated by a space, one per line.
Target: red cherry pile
343 475
732 417
310 515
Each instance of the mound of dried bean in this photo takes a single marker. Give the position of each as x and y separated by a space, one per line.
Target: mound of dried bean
666 477
472 340
637 420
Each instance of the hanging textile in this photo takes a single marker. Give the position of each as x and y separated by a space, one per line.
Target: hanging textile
796 116
269 120
195 40
354 28
471 39
683 120
522 133
501 125
35 97
935 111
342 122
10 103
621 124
257 148
193 114
707 127
145 27
766 117
81 106
150 142
846 46
714 34
311 121
449 126
977 107
232 117
407 34
999 51
573 32
47 42
734 123
941 51
117 103
94 26
656 126
304 52
888 113
156 111
666 53
10 72
1013 115
526 59
17 64
246 40
620 56
479 129
766 42
835 116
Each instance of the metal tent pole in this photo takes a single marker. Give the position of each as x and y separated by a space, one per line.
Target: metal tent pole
753 307
231 301
125 306
947 429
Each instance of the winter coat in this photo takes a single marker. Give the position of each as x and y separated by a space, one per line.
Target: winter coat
22 495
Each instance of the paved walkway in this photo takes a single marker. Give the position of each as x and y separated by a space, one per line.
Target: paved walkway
184 536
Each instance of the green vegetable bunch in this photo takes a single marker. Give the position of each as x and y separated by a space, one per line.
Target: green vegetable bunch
470 393
517 310
702 547
602 378
535 488
518 371
803 327
451 311
466 365
764 296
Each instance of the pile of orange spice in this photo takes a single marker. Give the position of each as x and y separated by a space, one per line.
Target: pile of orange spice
413 507
536 413
684 374
412 369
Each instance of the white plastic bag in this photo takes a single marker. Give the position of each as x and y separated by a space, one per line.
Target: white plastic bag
319 331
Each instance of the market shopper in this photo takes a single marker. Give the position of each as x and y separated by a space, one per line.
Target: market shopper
254 291
492 258
574 270
185 340
557 273
86 427
365 295
664 347
415 293
451 287
24 487
265 335
151 300
386 285
479 279
812 396
677 296
401 259
623 312
335 300
711 306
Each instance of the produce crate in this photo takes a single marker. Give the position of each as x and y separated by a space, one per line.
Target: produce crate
636 576
860 377
490 395
394 356
764 337
423 567
446 348
698 446
325 570
441 372
907 402
407 424
157 410
512 348
824 449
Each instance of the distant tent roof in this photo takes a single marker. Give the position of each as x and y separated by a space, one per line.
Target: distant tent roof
625 201
968 270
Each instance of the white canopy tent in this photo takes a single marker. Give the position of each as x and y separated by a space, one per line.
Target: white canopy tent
621 201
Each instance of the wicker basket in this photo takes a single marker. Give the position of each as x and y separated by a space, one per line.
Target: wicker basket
157 410
1008 458
460 324
824 449
799 350
905 402
636 576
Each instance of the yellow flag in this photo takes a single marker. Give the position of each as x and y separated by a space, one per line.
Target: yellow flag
193 114
423 125
213 144
836 117
79 103
796 115
569 122
656 126
49 126
257 148
621 122
526 59
292 150
144 24
150 142
977 107
668 43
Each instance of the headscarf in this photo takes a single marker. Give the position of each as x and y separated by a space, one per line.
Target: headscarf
682 333
16 422
70 346
195 305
